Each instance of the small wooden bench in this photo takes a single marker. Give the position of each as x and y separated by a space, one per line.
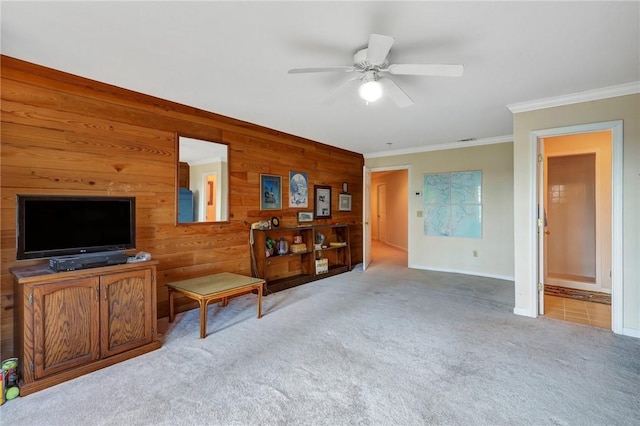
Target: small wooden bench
208 288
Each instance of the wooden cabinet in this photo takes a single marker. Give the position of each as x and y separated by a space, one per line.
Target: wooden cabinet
64 317
126 320
299 264
71 323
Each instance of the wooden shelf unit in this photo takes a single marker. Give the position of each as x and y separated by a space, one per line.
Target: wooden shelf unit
292 269
69 324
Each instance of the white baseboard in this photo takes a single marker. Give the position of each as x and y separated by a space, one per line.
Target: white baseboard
631 332
524 312
455 271
404 249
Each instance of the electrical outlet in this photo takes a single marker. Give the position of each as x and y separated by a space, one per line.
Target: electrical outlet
419 213
475 253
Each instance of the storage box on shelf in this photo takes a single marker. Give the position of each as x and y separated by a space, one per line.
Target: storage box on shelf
307 245
322 266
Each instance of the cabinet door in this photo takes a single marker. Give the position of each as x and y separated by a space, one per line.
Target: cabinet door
125 311
65 325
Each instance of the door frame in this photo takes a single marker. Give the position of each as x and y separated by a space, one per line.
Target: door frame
366 200
378 210
366 217
616 128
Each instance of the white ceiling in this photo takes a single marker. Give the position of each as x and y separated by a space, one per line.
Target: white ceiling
232 58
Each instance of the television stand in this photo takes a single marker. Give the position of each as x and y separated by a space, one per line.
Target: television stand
114 319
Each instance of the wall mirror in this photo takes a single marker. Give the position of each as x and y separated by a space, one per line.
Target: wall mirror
202 174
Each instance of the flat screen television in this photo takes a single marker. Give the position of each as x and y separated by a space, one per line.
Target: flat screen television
60 225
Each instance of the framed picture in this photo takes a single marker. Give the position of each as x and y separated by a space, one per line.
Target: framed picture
298 190
305 217
270 192
322 196
344 202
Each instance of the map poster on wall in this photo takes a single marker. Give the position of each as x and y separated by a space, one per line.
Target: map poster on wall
453 204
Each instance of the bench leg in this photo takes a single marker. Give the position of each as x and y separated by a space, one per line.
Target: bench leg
203 318
260 301
171 311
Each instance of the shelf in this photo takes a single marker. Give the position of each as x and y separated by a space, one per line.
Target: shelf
333 270
274 256
292 269
288 282
330 248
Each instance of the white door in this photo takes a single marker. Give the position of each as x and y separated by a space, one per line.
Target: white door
382 213
366 218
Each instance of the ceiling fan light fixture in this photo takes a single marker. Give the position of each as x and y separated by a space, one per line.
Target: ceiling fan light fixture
371 89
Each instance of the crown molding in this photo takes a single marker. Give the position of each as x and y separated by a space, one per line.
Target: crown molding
439 147
575 98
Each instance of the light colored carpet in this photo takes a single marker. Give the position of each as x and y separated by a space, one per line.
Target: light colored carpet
386 346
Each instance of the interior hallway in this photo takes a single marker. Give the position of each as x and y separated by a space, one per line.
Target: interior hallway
562 308
382 253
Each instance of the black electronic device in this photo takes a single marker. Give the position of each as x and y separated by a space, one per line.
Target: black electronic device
63 225
88 260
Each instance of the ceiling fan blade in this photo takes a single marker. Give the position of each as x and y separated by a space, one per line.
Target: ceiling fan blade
426 69
378 49
339 91
324 69
396 93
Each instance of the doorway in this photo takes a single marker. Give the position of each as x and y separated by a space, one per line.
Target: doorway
388 200
578 224
212 190
577 196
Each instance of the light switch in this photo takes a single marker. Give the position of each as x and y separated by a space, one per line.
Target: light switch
419 213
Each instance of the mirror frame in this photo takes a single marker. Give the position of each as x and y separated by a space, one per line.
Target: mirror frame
176 169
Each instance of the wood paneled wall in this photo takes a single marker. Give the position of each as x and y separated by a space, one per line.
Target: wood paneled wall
63 134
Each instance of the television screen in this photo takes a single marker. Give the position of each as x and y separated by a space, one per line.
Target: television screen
66 225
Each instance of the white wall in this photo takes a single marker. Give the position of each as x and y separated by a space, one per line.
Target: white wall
495 248
626 108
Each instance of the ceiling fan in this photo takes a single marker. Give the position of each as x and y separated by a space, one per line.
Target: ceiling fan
373 64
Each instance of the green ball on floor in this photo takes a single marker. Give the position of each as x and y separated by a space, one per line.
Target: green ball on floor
12 393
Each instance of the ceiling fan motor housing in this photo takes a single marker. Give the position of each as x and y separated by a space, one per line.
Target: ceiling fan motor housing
360 61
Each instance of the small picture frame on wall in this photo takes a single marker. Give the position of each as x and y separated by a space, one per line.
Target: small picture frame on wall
305 217
322 197
298 190
270 192
344 202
